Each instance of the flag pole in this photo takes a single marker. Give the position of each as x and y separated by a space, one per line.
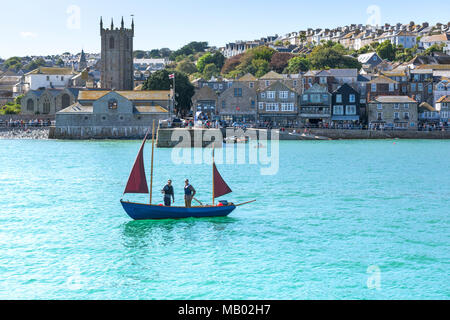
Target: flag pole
151 171
213 195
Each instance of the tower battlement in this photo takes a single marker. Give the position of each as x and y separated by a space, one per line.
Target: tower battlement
117 56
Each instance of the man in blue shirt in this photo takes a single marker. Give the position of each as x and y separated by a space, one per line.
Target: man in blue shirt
189 193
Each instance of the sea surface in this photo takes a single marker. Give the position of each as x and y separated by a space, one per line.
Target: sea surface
337 220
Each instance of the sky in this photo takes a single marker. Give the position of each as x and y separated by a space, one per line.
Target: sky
48 27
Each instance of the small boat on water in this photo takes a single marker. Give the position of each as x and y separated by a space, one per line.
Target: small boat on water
137 184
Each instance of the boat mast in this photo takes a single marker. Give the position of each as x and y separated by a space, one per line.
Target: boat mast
213 197
151 171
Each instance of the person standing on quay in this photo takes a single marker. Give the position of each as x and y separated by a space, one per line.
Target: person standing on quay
189 193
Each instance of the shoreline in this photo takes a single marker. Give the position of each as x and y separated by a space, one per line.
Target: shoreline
43 133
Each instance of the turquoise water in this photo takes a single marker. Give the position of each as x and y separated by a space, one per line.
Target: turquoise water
334 211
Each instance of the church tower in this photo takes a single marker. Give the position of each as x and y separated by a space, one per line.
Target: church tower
117 57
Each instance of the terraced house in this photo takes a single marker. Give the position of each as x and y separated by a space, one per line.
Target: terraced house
397 112
237 103
278 105
315 105
345 105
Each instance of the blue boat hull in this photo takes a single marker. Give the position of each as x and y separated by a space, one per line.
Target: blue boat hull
139 211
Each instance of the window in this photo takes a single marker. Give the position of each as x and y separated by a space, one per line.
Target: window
224 104
352 98
267 83
396 116
315 98
380 106
391 87
111 43
406 106
284 94
338 98
287 107
48 78
295 83
413 87
379 116
292 95
30 105
271 106
396 106
338 110
420 86
324 97
350 110
112 104
406 115
253 103
238 92
263 95
261 105
305 97
323 80
62 78
373 87
270 94
251 84
46 107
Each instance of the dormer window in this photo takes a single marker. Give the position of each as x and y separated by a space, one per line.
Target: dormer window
112 104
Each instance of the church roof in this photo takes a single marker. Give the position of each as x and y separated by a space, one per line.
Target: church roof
130 95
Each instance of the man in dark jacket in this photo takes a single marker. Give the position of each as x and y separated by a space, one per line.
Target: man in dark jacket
168 193
189 193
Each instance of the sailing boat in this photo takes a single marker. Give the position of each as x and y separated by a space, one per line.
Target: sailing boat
137 184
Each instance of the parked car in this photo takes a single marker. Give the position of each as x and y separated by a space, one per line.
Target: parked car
177 123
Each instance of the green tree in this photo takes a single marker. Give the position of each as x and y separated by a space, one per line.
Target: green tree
261 67
184 88
298 64
209 71
386 50
216 58
186 67
35 64
434 48
326 57
13 64
190 48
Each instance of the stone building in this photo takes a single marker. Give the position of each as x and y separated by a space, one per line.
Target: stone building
47 101
237 103
278 104
396 112
205 100
117 57
112 114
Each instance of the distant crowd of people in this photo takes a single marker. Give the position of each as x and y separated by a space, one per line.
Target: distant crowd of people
25 124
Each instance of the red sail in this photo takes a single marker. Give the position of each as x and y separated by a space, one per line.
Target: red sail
220 186
137 182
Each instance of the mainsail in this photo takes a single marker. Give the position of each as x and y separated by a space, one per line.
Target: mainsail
220 186
137 182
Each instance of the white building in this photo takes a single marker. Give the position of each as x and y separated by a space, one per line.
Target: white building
444 38
45 77
405 38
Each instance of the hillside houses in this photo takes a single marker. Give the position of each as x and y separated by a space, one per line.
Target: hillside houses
332 98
